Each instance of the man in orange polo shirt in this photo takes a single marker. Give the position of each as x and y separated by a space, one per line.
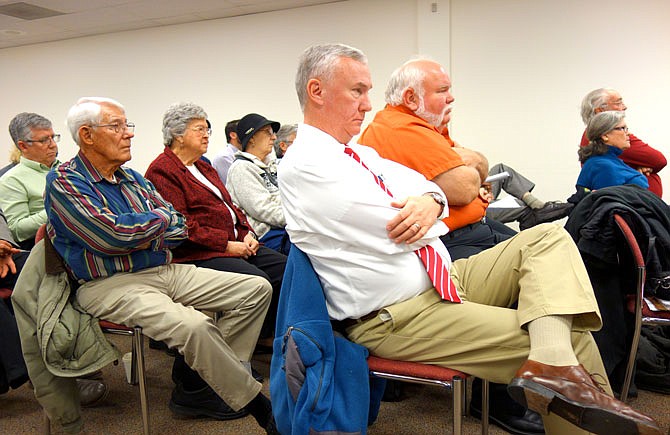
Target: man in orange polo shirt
408 131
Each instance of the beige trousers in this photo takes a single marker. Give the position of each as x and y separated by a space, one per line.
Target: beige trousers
539 270
165 301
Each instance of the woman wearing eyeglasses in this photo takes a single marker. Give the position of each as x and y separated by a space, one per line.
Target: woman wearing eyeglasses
252 181
219 234
608 137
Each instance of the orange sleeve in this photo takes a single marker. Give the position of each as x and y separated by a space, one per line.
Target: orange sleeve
399 135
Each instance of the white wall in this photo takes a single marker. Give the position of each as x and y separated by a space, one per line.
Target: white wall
230 67
519 67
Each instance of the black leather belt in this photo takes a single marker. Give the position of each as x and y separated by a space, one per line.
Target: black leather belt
342 325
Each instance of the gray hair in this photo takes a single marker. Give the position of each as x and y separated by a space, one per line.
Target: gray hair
283 134
596 99
319 61
599 125
86 111
20 127
177 117
408 75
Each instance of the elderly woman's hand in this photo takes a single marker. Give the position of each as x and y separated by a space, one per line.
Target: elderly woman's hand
252 243
239 249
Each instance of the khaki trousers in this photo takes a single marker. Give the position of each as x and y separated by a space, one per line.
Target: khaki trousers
539 270
165 300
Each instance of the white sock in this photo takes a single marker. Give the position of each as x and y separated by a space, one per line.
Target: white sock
531 201
550 341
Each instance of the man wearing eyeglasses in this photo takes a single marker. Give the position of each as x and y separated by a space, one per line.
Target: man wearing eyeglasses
22 187
115 233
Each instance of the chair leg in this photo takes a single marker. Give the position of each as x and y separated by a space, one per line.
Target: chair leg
485 407
138 354
458 392
46 423
635 342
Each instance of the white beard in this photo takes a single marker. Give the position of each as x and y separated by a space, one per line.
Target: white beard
434 119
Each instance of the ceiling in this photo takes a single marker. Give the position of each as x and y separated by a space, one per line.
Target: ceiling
35 21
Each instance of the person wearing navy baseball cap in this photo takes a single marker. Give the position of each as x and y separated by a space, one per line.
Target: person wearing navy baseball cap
250 125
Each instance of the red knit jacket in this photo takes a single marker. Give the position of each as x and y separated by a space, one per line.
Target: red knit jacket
210 225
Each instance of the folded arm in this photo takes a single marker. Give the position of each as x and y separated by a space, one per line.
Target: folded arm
79 210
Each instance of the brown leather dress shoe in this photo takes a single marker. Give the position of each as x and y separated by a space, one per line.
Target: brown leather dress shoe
571 393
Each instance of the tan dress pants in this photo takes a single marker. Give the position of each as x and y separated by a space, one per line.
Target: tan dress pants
539 270
165 300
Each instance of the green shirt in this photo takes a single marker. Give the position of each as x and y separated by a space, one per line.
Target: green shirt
22 198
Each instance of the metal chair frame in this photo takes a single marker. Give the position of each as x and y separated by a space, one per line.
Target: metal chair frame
137 373
640 318
452 380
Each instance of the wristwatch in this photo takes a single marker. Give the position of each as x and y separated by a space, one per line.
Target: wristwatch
438 199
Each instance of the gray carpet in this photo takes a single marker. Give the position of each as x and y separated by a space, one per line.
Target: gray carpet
426 410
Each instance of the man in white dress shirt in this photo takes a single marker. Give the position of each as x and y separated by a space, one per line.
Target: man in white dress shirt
226 157
360 223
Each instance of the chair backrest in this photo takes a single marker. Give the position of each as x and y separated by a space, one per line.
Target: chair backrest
638 260
41 233
631 241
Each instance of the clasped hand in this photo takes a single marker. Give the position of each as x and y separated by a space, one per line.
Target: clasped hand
244 249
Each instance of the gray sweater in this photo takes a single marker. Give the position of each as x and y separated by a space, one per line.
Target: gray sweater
252 184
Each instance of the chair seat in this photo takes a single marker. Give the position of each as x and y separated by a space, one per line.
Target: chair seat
646 312
5 293
417 370
106 324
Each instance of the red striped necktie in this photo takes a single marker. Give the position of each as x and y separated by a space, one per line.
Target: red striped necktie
430 258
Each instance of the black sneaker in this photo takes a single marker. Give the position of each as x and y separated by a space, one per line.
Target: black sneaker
256 375
552 210
202 403
271 427
160 345
504 411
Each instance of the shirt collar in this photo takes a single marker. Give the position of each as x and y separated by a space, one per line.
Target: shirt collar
403 109
614 150
253 158
36 165
83 165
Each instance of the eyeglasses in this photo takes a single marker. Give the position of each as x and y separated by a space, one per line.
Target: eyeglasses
268 130
624 129
201 130
119 126
46 141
